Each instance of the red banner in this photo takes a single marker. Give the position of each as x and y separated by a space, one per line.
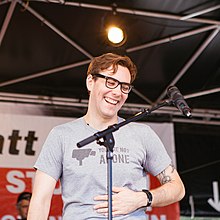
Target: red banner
14 181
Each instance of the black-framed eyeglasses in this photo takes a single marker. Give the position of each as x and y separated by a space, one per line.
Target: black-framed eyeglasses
112 83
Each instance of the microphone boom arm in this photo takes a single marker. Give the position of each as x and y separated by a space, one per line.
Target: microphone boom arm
101 134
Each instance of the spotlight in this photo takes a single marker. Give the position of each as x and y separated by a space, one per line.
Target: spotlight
114 30
116 35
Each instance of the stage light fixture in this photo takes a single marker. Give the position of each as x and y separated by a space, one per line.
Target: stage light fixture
114 28
115 34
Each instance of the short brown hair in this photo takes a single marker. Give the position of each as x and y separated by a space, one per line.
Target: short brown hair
106 60
24 196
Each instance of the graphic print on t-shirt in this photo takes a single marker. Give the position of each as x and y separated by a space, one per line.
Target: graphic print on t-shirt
81 154
121 155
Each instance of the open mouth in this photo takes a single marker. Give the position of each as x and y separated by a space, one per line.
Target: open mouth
111 101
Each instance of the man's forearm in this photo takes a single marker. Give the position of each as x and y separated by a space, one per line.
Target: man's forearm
38 211
171 190
167 194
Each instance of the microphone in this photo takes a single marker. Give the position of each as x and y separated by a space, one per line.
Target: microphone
177 100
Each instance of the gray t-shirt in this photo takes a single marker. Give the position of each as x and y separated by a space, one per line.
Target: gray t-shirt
83 171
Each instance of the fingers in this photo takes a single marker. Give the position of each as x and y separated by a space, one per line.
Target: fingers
101 198
122 202
103 209
117 189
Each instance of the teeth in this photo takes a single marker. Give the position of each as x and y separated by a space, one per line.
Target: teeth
114 102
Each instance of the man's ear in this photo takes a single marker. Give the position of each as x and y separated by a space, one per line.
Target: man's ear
89 82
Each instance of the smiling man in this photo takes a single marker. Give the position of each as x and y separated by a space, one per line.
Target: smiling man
107 93
83 172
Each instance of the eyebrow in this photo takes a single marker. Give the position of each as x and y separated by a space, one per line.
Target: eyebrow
104 77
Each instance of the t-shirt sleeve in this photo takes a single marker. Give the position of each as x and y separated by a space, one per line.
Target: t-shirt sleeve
50 157
157 158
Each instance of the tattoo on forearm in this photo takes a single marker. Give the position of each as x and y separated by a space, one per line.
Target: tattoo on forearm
165 178
173 168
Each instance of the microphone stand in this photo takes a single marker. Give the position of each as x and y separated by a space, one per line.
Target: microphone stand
109 142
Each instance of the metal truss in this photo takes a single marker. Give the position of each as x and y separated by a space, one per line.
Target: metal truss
200 116
204 115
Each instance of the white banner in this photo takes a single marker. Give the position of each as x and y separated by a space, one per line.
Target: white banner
22 136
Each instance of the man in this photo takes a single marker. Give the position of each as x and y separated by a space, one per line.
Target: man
22 205
83 173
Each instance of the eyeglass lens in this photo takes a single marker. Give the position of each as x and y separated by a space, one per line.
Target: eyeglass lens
113 83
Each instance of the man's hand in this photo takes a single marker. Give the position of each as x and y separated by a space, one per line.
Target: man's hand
124 201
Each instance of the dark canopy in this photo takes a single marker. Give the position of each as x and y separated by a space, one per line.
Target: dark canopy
46 46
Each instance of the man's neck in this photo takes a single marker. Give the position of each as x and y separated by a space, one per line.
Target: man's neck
101 123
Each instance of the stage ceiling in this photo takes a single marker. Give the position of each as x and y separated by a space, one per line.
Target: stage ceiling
46 45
